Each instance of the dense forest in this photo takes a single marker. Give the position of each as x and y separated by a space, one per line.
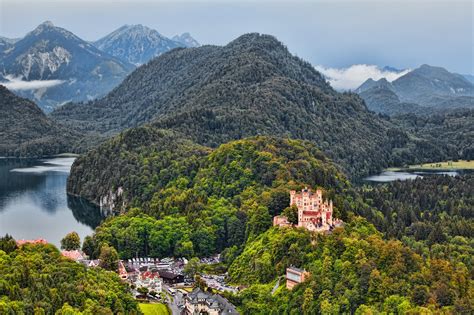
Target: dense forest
453 130
36 279
412 251
434 215
27 132
204 203
214 163
353 270
252 86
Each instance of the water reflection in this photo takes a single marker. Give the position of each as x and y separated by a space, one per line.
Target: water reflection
34 203
84 211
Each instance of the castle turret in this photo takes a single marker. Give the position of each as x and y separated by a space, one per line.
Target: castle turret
292 197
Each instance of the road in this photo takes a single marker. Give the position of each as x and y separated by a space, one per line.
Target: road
174 302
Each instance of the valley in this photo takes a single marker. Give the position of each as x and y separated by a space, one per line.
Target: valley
155 175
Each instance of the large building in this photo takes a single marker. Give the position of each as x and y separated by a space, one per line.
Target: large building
314 213
150 280
295 276
202 302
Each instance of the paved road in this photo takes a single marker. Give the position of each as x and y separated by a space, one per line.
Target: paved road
174 302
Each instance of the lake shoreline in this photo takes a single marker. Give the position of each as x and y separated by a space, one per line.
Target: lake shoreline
60 155
459 165
34 202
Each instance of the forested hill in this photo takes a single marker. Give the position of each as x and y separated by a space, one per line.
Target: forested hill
252 86
26 131
37 279
452 130
160 169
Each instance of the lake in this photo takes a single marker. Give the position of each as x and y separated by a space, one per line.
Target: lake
34 203
390 176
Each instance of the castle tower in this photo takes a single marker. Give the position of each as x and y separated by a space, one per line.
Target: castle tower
330 212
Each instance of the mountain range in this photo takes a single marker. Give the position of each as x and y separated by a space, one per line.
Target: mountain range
137 44
424 87
52 66
251 86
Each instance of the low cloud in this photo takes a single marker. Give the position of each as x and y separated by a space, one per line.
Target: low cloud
352 77
17 84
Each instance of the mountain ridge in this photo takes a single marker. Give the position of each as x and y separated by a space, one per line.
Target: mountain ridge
426 86
138 44
53 53
251 86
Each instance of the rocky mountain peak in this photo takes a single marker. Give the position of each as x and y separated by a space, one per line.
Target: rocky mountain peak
186 39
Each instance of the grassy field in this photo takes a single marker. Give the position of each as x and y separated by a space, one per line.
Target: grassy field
440 166
154 309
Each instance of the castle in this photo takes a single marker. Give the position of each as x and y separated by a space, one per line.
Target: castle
313 213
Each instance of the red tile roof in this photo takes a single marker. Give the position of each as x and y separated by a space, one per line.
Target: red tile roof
72 254
37 241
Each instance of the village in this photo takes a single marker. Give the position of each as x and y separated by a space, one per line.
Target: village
166 281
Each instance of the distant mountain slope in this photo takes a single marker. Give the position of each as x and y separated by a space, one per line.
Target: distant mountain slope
137 44
381 99
453 130
469 77
26 131
418 85
252 86
426 86
370 83
186 39
53 53
6 44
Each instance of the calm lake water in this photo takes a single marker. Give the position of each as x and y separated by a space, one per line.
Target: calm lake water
34 203
390 176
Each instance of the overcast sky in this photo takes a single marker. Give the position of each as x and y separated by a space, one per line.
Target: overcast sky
338 33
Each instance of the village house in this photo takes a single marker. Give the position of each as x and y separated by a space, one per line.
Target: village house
150 280
295 276
122 271
202 302
75 255
171 277
314 214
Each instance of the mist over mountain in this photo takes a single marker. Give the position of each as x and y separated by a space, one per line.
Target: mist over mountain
52 66
350 78
52 53
137 44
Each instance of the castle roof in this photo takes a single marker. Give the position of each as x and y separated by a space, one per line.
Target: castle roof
309 213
